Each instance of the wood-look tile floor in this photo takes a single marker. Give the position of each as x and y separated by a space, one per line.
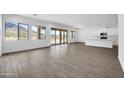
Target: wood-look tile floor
62 61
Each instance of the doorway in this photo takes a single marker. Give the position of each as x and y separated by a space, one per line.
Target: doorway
59 36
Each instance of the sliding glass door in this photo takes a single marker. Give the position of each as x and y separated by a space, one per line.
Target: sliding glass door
59 36
65 36
62 37
53 37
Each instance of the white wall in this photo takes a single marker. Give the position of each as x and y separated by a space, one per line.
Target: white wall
0 35
121 40
18 45
94 33
12 46
79 19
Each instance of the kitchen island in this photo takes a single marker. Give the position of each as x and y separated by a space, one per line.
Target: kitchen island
99 43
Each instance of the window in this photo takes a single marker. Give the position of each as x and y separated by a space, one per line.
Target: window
23 31
11 31
72 34
20 31
38 32
35 32
16 31
42 33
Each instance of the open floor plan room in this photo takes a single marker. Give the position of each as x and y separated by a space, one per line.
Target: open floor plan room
61 46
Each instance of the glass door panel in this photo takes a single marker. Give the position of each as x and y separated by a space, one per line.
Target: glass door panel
53 36
65 36
62 37
57 37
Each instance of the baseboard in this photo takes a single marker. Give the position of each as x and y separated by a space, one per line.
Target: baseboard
24 50
121 62
80 42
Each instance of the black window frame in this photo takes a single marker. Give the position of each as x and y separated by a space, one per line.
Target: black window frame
65 36
39 36
6 30
27 32
18 30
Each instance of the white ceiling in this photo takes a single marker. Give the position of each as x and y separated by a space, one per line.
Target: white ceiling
79 20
